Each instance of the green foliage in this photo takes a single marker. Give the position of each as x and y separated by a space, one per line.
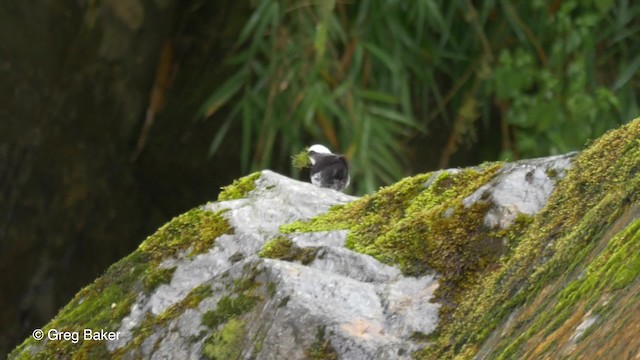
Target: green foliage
363 77
558 88
303 73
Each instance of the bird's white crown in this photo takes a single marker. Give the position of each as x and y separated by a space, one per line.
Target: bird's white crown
320 149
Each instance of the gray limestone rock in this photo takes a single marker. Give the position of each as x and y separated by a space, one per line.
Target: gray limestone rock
366 309
522 187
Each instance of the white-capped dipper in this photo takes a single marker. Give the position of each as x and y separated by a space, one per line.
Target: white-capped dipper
328 170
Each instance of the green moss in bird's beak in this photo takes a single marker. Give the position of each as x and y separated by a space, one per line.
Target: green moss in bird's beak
301 160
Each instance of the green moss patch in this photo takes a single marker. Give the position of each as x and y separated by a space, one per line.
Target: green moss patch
615 268
196 229
227 308
283 248
151 323
240 188
226 343
155 277
229 333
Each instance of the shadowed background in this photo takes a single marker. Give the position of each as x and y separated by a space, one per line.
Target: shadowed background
117 115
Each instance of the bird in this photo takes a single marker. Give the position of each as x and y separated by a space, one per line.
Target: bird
328 170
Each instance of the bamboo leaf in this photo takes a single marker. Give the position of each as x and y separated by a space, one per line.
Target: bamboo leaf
435 14
379 96
245 148
221 96
393 115
253 21
378 53
626 75
377 71
220 135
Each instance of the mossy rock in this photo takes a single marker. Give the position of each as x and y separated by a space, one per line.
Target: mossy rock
283 248
103 304
559 283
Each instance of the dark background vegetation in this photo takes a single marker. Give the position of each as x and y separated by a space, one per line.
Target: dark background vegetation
117 115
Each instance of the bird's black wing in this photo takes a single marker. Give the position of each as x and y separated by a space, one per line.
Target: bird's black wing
332 166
